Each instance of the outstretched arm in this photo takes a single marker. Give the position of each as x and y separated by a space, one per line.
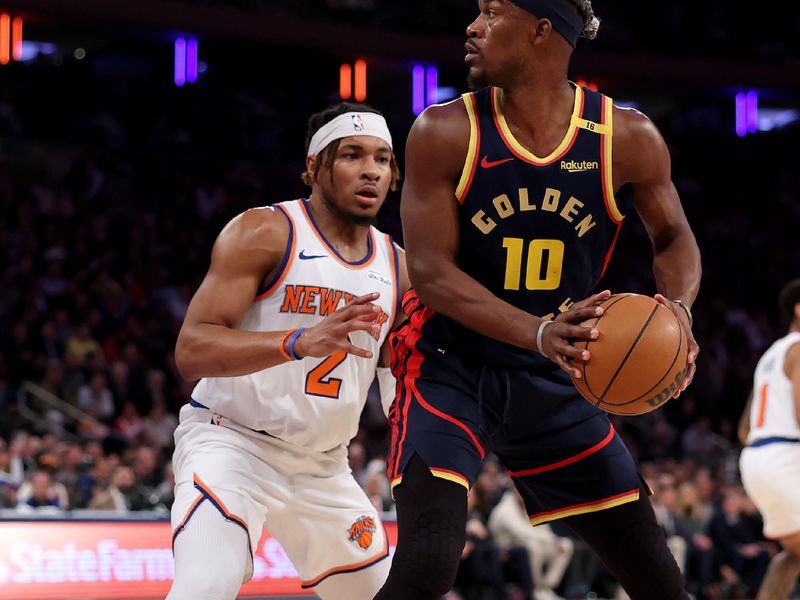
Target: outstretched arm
210 343
642 159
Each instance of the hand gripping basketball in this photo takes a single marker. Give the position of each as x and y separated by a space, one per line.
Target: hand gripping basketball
558 339
683 315
331 335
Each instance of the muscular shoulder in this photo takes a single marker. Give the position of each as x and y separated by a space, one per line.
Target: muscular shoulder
792 361
257 236
640 153
257 229
441 135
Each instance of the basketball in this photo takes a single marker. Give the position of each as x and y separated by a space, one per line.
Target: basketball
639 359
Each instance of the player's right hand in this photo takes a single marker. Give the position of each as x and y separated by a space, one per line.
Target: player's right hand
331 335
558 338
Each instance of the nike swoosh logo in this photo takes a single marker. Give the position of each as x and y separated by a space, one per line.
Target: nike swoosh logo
488 165
304 256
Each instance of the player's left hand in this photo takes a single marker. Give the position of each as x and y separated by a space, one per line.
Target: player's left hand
694 349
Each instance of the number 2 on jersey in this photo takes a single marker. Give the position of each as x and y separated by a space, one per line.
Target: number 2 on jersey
544 266
316 382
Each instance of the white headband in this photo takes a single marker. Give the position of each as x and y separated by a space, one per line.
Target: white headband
350 124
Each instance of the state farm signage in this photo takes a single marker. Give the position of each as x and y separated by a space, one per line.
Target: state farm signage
65 559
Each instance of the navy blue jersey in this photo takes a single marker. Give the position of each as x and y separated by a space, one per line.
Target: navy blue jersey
537 232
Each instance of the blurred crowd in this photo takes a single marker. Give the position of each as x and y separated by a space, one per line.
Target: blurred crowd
110 203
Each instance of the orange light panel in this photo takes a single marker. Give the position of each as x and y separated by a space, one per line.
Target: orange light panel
16 39
345 81
5 39
361 81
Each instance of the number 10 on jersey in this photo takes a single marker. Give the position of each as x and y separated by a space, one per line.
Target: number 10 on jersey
544 264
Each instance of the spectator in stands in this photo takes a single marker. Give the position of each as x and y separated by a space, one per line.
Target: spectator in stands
12 468
485 568
129 424
118 382
664 502
549 554
742 557
376 487
357 458
41 492
693 519
145 466
95 480
159 426
95 398
81 346
122 495
71 462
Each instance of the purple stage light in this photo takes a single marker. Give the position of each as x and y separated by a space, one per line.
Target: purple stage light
418 89
752 112
191 61
741 114
180 62
432 85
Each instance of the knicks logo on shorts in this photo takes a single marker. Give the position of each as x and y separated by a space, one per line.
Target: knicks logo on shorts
362 531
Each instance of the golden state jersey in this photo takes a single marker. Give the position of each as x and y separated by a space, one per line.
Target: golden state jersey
772 412
538 232
314 402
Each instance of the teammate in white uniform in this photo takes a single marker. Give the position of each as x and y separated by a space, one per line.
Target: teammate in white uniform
286 331
770 464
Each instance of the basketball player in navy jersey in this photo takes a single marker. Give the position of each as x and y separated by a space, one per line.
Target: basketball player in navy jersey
511 207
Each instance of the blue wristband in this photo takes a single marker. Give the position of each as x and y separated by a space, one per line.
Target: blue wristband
292 341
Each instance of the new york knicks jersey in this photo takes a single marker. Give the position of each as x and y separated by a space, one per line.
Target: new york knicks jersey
537 232
772 412
313 402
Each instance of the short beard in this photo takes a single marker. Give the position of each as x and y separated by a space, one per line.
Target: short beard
478 81
348 217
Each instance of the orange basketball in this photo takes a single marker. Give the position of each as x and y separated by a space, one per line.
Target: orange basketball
639 359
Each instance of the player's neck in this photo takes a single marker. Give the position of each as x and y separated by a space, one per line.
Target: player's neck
346 236
540 109
795 326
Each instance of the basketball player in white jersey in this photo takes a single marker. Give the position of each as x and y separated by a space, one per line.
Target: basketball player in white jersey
286 331
770 463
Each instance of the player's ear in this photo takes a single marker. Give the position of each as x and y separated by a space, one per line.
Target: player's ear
311 166
541 31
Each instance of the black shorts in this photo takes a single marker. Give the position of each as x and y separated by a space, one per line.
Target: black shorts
563 454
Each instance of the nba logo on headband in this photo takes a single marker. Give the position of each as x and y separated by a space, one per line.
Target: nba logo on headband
358 123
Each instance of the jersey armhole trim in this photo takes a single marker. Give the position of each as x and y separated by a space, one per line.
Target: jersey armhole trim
286 263
395 265
606 159
471 162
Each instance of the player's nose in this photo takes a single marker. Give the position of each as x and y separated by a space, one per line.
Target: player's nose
474 30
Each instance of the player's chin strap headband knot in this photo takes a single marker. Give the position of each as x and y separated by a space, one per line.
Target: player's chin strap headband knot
565 21
347 125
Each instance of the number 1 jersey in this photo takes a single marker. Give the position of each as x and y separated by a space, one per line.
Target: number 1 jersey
537 232
314 402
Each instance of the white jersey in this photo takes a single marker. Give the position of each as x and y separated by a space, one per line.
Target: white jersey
314 402
772 412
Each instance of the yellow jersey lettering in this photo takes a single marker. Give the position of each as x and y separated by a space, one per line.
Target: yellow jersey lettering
551 199
571 209
484 223
503 206
524 203
585 226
